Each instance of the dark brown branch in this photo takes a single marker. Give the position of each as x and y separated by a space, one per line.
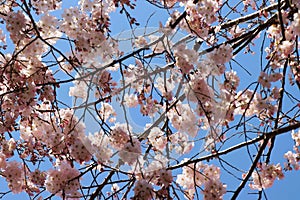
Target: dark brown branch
100 187
266 136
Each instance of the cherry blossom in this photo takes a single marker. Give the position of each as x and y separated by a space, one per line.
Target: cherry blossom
16 23
83 117
292 160
180 142
131 151
198 90
200 15
79 90
63 180
198 175
43 6
296 24
185 58
14 174
98 144
119 136
184 119
266 176
157 138
143 190
221 55
296 137
264 80
130 100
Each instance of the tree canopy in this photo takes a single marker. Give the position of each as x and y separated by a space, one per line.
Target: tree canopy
156 99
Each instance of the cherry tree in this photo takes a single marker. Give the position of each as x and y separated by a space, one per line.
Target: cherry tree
147 113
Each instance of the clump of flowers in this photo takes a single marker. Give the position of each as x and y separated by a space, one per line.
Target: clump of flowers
98 144
202 174
157 139
131 151
221 55
293 158
185 58
266 175
265 79
143 190
184 119
15 177
200 15
156 172
63 180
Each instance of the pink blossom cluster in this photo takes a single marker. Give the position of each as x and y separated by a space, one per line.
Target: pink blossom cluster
143 190
19 178
134 76
265 80
157 139
248 3
6 7
62 138
79 90
207 67
264 108
155 174
107 113
185 58
148 106
102 147
197 89
293 158
166 86
19 28
2 39
184 119
16 25
173 17
130 100
170 3
128 146
296 137
201 15
104 84
74 131
221 55
47 25
283 46
213 190
8 147
14 175
63 181
131 151
296 24
98 145
74 21
44 6
231 82
160 43
119 136
181 143
266 175
38 177
88 24
202 175
22 87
